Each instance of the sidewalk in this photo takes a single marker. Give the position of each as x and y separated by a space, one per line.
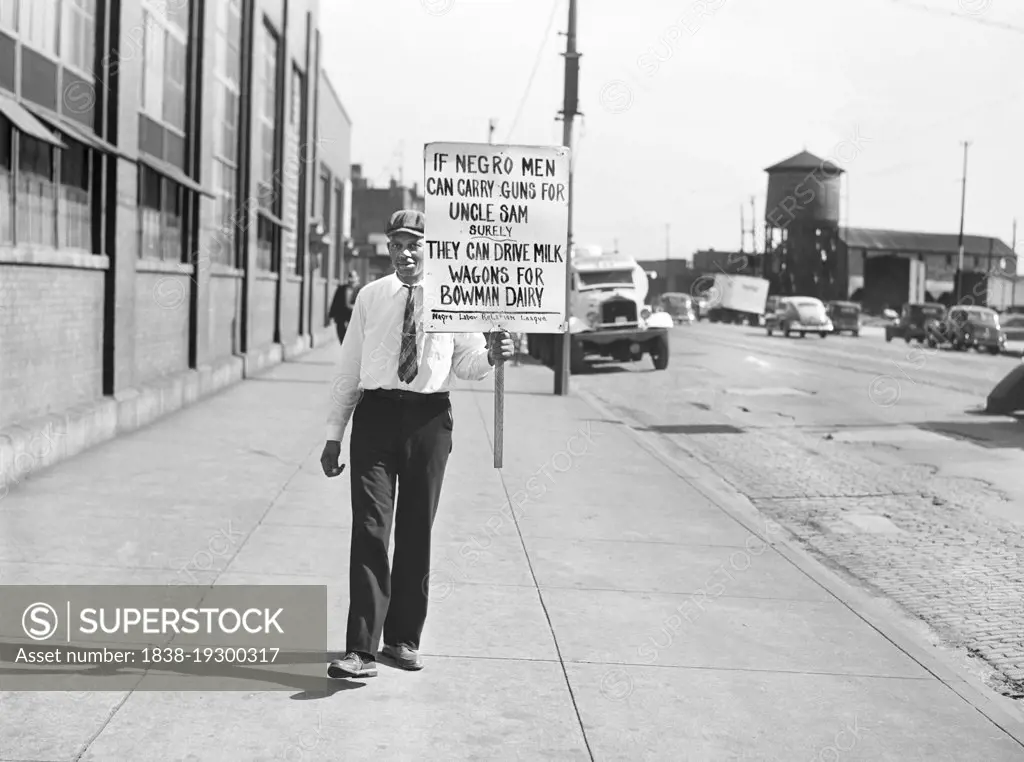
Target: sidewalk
619 615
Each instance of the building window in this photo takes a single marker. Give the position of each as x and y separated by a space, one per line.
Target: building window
6 183
162 127
9 15
269 181
162 205
39 25
76 196
46 196
325 199
36 193
227 68
51 44
78 43
268 185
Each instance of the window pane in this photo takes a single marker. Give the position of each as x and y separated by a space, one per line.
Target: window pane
178 12
35 157
234 22
75 198
174 103
9 14
153 68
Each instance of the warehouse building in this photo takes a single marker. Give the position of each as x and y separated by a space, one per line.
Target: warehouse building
173 213
940 253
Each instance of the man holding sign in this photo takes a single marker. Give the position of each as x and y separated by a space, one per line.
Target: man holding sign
393 382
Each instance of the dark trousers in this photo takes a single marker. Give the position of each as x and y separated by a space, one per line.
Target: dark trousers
405 441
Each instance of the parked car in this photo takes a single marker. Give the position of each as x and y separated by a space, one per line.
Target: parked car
799 314
968 327
845 316
910 324
679 306
1013 326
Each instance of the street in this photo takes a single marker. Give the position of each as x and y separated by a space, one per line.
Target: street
869 453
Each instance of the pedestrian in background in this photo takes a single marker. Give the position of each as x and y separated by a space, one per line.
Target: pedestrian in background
393 382
343 304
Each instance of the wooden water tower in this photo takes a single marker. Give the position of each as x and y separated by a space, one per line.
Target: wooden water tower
801 224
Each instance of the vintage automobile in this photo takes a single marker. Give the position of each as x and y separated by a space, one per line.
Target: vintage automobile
799 314
845 316
678 306
608 315
910 325
968 328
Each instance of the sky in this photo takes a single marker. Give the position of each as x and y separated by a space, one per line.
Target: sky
684 104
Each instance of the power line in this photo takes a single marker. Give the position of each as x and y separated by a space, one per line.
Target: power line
536 66
976 18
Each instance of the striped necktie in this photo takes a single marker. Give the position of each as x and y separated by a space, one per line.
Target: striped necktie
408 365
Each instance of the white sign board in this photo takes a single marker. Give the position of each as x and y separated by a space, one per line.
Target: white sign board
497 219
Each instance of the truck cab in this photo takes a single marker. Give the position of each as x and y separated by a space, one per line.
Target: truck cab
608 315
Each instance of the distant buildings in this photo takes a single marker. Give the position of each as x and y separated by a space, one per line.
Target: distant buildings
372 207
810 252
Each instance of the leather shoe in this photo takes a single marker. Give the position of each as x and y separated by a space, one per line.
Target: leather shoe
404 657
353 665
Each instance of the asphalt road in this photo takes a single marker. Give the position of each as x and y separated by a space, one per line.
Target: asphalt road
871 453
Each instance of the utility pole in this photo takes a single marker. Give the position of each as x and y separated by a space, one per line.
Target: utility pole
960 241
490 131
1013 247
571 101
753 227
743 231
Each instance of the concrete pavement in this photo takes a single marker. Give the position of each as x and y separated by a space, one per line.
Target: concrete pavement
629 606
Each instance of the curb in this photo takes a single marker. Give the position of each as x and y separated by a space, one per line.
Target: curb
737 506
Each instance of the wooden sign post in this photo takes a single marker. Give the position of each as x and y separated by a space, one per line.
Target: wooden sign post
497 220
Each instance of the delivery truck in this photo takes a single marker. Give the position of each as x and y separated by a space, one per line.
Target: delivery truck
736 298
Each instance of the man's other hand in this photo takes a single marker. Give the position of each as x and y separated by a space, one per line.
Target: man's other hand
329 459
499 347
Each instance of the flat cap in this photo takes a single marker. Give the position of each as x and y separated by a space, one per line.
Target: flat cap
406 221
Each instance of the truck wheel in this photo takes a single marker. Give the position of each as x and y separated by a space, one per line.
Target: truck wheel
770 331
888 336
803 334
785 330
823 334
659 353
856 333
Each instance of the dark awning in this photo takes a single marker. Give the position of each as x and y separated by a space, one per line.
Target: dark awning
173 173
24 122
77 132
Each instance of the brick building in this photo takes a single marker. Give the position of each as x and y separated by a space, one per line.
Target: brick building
159 171
372 207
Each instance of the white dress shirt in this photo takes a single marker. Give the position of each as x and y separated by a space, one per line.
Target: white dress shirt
373 343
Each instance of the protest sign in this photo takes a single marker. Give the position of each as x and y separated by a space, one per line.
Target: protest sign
496 235
496 244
